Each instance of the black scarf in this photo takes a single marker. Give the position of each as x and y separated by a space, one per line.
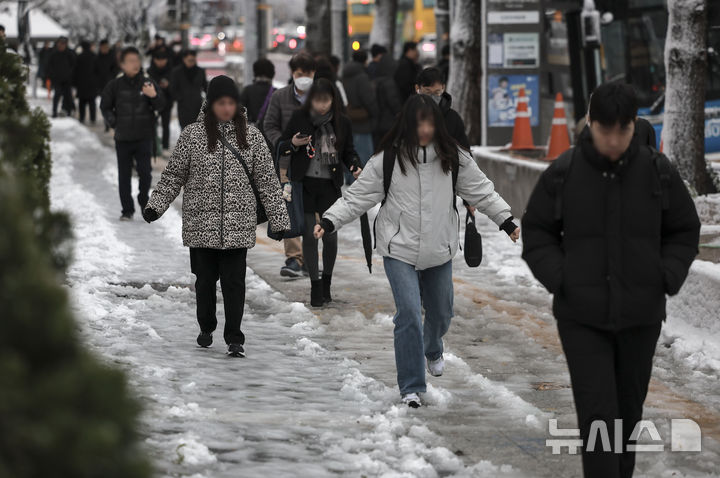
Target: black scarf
324 138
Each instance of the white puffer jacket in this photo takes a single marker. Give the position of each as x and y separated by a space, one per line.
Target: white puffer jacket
418 224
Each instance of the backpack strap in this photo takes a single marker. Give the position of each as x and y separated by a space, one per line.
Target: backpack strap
663 169
263 109
562 168
388 167
455 173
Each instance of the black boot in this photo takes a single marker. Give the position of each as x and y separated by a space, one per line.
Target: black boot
326 280
316 293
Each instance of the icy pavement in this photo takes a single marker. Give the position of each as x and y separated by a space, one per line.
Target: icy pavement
317 395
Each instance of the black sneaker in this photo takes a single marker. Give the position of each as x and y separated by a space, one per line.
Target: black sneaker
126 217
204 339
236 350
291 268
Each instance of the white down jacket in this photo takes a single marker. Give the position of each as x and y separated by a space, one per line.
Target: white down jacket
418 224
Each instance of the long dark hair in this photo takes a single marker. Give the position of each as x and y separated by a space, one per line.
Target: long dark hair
213 132
325 87
404 139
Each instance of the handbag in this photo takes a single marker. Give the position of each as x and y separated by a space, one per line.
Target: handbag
296 211
260 209
473 242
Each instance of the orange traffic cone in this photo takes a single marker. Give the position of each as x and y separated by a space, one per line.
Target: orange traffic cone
522 132
559 136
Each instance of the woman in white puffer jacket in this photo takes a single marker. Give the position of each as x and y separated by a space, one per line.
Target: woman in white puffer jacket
417 230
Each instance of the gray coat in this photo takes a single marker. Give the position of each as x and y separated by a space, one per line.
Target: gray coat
282 106
219 206
418 224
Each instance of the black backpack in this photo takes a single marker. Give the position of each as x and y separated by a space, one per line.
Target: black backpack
663 167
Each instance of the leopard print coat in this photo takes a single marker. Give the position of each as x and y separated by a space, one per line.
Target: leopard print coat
219 206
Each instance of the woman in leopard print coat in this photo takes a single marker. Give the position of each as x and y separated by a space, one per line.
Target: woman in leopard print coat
219 205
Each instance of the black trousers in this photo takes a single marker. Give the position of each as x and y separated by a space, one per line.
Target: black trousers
140 152
610 373
165 123
228 265
90 104
64 91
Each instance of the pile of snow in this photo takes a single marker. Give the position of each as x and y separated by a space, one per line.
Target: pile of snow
708 208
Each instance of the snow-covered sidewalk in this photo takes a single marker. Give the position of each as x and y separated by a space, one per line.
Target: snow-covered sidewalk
316 395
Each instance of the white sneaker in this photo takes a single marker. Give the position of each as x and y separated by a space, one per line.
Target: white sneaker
412 400
436 367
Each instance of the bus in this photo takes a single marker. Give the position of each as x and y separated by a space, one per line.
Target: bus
419 20
360 15
634 44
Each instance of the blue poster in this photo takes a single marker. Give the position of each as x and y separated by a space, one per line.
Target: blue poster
503 91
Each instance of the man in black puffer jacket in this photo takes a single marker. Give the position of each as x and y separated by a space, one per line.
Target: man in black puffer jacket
610 229
129 103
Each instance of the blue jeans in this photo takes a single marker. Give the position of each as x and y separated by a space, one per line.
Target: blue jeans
363 143
431 289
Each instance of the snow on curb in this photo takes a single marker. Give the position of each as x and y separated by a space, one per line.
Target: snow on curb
692 327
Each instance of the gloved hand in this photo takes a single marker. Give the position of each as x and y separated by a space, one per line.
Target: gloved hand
149 215
276 236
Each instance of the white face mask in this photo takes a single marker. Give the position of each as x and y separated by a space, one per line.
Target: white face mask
303 83
435 98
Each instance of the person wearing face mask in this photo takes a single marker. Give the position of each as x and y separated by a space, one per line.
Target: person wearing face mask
610 229
219 204
431 82
319 140
283 103
417 230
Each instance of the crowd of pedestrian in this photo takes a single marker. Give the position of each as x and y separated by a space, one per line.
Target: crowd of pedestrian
610 228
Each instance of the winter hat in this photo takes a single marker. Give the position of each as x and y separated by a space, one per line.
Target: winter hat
222 86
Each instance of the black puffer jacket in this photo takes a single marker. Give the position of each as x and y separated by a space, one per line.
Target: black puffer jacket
615 251
60 66
128 111
187 87
300 122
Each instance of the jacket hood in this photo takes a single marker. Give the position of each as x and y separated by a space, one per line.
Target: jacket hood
385 66
353 69
445 102
203 109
